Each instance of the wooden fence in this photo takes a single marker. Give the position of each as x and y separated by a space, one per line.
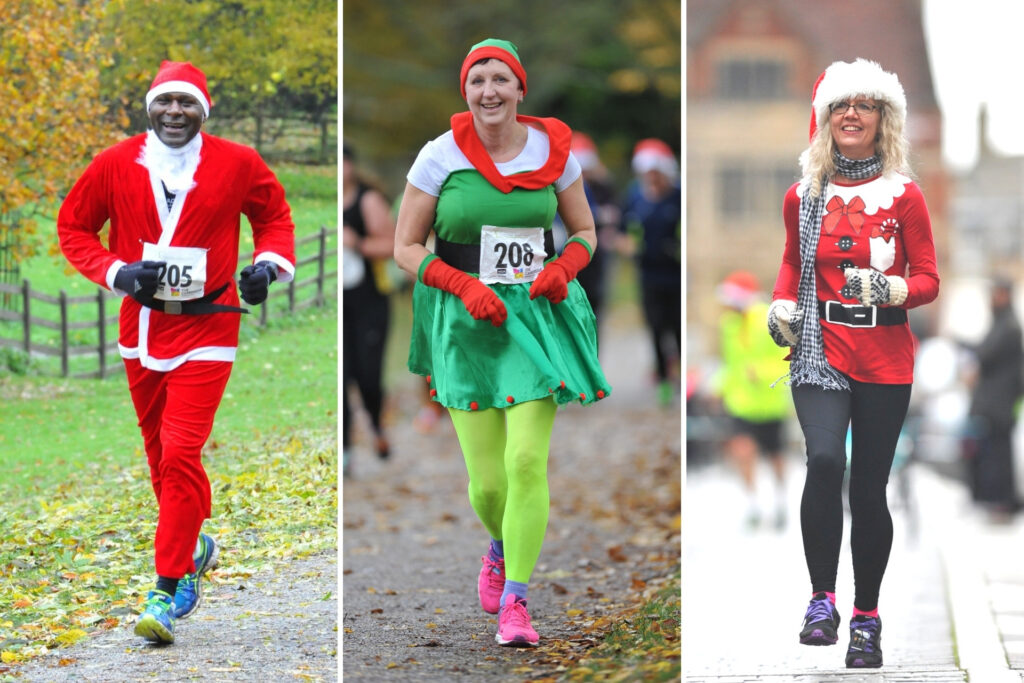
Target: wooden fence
63 317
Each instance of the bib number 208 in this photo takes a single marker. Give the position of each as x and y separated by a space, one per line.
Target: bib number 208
517 254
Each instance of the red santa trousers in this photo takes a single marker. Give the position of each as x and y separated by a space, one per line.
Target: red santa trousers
175 411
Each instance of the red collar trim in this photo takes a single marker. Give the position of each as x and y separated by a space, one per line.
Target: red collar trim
559 139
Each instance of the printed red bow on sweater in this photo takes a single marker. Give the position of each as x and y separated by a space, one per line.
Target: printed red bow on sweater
837 208
886 230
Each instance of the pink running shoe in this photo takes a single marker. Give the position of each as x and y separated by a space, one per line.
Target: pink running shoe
514 629
491 584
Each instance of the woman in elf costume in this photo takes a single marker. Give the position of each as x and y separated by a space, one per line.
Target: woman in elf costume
859 252
501 330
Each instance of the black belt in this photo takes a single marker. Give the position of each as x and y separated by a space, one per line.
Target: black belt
466 257
199 306
853 315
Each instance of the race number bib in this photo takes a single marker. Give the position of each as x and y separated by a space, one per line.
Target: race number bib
184 276
510 256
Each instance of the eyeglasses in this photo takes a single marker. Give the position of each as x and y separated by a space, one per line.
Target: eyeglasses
862 108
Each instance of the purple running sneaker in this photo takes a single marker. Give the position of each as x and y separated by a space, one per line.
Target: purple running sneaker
514 629
820 622
865 651
491 584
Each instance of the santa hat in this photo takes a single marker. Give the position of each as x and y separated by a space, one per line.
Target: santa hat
651 154
493 48
180 77
585 151
739 289
864 78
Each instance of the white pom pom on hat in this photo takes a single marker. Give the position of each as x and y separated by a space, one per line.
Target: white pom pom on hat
861 77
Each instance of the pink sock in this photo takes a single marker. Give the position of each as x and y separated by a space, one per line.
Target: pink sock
832 597
861 613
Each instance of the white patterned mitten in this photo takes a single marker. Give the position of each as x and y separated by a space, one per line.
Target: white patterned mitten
784 322
872 287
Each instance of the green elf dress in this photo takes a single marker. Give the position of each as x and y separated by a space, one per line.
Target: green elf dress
542 349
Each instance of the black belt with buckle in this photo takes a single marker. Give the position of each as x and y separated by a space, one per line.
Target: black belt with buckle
466 257
200 306
853 315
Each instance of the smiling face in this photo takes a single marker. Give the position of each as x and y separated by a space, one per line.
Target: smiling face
855 132
176 118
492 92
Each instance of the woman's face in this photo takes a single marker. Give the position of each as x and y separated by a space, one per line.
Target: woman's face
492 92
855 131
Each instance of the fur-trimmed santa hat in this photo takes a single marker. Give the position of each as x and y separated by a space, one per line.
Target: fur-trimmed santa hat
845 80
180 77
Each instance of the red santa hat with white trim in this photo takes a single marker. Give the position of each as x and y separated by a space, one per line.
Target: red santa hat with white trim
180 77
651 154
861 77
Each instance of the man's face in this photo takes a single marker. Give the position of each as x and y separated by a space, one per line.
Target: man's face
176 118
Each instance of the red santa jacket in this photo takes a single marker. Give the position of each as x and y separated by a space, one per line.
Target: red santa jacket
881 223
230 180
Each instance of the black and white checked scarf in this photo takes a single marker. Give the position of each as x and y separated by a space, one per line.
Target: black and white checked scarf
809 365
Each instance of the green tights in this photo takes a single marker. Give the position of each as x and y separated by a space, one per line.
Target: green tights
506 452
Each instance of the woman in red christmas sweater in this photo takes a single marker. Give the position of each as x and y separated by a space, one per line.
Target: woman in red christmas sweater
174 197
859 253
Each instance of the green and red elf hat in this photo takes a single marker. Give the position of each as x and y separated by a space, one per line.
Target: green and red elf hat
493 48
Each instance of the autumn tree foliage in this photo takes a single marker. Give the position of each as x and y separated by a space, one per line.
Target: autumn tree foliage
262 58
54 120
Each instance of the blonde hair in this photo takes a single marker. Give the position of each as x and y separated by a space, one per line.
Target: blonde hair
891 146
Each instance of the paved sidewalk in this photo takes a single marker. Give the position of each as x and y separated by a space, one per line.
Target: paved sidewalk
952 594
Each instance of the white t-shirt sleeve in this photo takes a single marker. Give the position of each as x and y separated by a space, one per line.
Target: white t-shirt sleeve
572 171
428 172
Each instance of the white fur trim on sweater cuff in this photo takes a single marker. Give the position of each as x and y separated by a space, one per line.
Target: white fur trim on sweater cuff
897 290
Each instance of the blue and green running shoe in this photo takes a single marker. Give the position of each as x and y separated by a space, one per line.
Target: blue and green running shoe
157 623
189 593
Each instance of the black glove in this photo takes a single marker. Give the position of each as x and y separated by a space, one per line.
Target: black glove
255 280
139 278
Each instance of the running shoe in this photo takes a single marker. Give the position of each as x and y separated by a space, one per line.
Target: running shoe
157 623
491 584
514 629
865 651
820 622
190 593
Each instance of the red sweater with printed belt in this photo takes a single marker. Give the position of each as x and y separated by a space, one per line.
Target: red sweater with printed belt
881 223
230 180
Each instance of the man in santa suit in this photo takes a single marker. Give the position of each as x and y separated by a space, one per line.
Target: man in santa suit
174 197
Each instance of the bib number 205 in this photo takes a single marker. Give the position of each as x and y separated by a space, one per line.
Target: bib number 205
173 275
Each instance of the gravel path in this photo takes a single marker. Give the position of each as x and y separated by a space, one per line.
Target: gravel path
279 626
412 544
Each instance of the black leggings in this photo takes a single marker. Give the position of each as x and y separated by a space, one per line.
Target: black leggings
365 318
875 412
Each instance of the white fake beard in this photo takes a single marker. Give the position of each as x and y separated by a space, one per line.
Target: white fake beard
175 166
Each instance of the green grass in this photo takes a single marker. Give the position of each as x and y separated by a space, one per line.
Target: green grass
284 379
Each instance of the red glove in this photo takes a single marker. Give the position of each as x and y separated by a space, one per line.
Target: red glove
480 301
553 281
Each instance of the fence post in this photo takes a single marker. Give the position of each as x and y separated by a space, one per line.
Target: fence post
64 333
321 264
291 296
101 306
26 317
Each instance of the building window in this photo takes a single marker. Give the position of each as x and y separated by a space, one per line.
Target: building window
752 192
751 79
